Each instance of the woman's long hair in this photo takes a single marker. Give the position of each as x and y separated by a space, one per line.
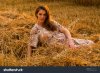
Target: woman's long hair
48 24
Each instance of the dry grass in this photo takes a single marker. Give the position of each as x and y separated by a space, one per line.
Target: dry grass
17 19
87 2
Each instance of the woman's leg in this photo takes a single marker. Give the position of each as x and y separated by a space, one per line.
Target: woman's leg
82 42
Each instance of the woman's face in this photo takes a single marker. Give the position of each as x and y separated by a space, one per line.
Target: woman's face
41 16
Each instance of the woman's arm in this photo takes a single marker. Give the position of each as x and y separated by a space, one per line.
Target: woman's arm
29 52
67 34
33 41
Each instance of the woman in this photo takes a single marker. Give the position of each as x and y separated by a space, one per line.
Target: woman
46 31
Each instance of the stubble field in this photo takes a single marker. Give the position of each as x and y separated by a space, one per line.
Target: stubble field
17 18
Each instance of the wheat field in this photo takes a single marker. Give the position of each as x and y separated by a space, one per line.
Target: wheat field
17 18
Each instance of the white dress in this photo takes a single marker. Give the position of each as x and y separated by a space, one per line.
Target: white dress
40 34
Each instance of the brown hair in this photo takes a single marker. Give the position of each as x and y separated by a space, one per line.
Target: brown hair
48 24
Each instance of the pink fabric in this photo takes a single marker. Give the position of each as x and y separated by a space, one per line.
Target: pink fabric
40 34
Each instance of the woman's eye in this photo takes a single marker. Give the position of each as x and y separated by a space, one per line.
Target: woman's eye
40 14
44 14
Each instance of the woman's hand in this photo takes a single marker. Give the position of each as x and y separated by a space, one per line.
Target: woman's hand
71 44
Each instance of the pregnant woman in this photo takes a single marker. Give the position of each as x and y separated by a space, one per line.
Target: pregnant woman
46 31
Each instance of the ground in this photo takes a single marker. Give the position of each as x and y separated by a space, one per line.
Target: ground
17 18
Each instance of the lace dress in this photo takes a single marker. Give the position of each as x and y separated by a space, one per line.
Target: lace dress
40 34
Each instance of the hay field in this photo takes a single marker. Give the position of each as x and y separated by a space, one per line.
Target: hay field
17 18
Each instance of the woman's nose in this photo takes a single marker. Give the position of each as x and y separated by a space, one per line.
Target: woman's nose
42 16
